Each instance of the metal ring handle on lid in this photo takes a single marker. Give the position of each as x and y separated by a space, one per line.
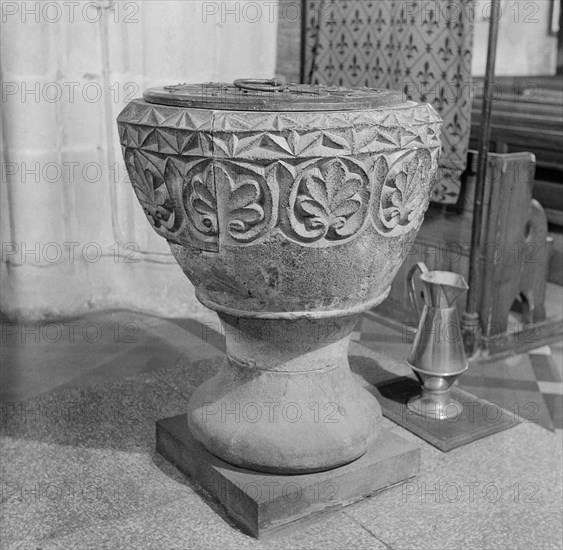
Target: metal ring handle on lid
259 85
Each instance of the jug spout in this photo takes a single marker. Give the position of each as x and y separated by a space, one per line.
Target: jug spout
443 288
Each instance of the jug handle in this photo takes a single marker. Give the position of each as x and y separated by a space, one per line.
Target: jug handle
420 266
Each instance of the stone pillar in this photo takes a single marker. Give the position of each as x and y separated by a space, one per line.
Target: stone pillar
274 410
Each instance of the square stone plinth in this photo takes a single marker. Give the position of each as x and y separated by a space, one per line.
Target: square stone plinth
265 504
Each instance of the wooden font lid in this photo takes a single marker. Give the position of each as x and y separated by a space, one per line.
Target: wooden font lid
272 95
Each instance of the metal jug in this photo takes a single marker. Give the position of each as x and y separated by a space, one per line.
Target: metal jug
437 356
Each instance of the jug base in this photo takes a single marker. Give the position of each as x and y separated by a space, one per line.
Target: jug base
435 406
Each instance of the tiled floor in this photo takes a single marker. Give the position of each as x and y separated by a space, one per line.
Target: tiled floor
79 402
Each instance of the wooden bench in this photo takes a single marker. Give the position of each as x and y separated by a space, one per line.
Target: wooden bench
527 115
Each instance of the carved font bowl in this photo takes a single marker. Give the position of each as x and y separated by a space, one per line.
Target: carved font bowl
283 207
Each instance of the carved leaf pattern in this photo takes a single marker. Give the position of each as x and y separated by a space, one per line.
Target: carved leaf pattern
202 203
244 209
329 199
154 196
404 195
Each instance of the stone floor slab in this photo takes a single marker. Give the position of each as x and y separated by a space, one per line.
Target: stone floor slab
503 491
185 524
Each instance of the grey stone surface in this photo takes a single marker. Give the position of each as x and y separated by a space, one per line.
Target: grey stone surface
139 343
375 366
84 455
516 500
114 416
51 490
185 524
371 367
187 374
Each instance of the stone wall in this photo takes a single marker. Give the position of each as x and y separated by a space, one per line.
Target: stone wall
74 237
525 47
